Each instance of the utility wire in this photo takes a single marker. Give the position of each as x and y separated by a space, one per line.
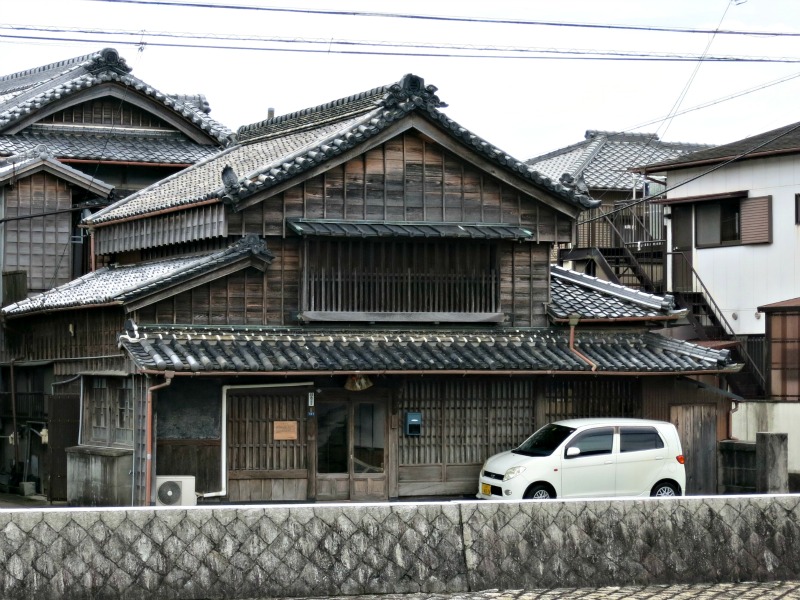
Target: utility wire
538 55
346 42
498 21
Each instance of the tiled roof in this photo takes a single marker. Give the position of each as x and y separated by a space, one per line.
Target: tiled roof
29 91
40 157
337 228
264 350
118 284
95 144
590 298
605 158
782 140
274 151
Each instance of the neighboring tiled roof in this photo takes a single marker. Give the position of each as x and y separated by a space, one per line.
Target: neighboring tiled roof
40 157
274 151
603 161
590 298
118 145
263 350
783 140
32 90
117 284
337 228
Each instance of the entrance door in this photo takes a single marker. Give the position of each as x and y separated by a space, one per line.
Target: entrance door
697 429
351 450
682 240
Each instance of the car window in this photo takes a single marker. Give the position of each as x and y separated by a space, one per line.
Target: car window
635 439
544 441
594 442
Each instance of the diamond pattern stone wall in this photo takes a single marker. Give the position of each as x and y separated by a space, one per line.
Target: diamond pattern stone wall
329 550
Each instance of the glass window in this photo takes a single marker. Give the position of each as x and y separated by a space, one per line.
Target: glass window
594 442
634 439
544 441
368 438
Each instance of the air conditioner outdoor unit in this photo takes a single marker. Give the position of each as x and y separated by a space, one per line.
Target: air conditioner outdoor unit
175 490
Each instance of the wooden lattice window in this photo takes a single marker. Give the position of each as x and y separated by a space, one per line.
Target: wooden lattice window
372 280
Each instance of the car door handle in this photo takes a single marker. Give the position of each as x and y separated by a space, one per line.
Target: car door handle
609 462
659 458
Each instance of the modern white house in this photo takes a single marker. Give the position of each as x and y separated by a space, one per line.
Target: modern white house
733 233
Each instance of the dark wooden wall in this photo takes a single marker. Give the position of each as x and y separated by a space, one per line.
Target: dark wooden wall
107 111
39 245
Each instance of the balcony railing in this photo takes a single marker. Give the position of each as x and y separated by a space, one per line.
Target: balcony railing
402 293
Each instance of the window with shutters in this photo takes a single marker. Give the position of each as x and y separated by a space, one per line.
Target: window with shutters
733 222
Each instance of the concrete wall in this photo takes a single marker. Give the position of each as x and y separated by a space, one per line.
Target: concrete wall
99 476
323 550
777 417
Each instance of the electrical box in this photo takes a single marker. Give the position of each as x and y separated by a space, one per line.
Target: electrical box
413 423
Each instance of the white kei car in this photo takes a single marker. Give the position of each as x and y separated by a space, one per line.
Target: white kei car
589 458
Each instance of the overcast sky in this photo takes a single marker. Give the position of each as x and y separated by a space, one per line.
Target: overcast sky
526 106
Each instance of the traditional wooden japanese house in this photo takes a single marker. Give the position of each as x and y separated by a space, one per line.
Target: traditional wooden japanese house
74 135
352 302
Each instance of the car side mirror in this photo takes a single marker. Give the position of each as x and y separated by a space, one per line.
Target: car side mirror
573 451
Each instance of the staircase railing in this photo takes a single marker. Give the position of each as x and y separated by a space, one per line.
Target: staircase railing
698 285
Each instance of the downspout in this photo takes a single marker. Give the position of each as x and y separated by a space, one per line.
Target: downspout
148 476
14 413
92 260
730 420
573 322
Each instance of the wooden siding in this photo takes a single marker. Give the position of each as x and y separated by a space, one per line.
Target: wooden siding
524 283
783 338
406 179
595 397
39 245
200 223
463 423
660 393
107 111
236 299
69 335
259 466
756 220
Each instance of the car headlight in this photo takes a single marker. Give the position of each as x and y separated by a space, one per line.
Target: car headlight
513 472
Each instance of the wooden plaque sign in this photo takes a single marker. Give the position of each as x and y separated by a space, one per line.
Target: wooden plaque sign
285 430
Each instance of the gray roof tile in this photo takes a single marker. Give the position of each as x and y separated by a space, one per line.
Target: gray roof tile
603 161
32 90
263 350
118 284
590 298
273 151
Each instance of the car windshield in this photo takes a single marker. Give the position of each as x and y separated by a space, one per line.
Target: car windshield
544 441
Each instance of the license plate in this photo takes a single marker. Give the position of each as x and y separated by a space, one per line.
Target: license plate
486 489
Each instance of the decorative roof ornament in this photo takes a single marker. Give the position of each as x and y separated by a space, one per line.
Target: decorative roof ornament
108 59
256 245
412 88
230 184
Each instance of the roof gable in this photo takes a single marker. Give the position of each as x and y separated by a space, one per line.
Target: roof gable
279 152
41 159
29 95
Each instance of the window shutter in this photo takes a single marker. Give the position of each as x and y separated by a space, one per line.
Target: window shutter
756 217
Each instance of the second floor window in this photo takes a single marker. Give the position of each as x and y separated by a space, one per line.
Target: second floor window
446 279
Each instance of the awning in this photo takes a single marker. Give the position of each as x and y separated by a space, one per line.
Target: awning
407 229
261 351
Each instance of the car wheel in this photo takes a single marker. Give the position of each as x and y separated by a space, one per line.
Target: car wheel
538 492
664 489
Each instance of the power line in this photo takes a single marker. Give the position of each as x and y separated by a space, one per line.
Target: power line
517 53
485 20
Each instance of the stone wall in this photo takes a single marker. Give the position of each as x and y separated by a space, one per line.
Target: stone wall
325 550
